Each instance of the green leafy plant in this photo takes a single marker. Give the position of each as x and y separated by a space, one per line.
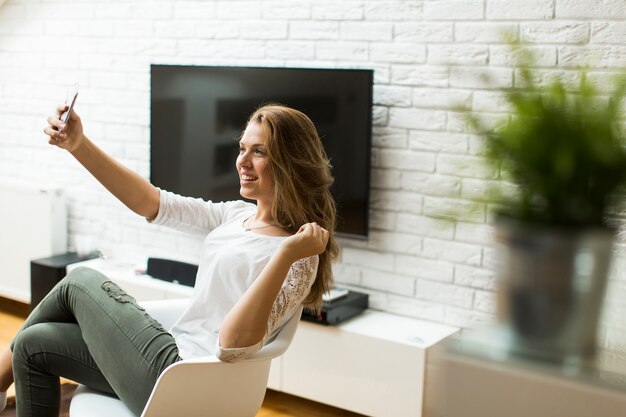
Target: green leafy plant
562 148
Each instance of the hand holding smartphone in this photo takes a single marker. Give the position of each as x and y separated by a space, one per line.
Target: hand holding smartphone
65 116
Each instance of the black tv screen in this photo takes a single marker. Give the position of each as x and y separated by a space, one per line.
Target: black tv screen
199 112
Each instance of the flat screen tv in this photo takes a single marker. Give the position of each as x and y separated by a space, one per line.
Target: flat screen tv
199 112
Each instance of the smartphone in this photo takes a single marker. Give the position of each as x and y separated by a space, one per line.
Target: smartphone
65 117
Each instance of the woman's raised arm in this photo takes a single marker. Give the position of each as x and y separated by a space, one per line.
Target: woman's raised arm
129 187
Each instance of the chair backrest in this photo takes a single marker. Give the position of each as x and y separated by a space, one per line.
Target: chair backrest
281 342
209 387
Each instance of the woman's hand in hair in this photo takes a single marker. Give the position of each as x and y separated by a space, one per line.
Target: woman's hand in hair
311 239
66 136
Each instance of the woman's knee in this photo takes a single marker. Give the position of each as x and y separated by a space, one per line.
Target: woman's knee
28 341
84 276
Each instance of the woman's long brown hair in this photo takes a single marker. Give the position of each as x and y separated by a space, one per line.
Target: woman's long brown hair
302 180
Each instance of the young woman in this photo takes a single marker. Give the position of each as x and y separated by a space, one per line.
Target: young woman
259 264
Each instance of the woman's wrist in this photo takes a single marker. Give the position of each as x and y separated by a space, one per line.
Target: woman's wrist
79 145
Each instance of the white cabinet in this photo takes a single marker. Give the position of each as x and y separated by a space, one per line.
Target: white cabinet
373 364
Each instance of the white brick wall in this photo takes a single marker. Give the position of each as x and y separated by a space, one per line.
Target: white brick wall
429 58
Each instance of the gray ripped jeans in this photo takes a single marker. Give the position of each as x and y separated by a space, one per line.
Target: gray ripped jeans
89 330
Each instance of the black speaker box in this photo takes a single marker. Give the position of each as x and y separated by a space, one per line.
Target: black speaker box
172 271
45 273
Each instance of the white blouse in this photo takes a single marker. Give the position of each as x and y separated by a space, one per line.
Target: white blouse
231 260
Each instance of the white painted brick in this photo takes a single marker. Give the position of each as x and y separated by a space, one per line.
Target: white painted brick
472 319
605 81
502 55
185 10
395 242
464 165
366 31
555 32
458 54
490 258
388 179
424 226
393 283
570 79
388 95
292 10
423 31
439 141
476 77
468 276
290 50
368 259
346 274
462 210
127 133
485 32
313 30
60 11
519 10
216 29
609 33
147 10
382 72
596 56
433 76
448 294
486 190
263 29
350 51
454 10
238 10
485 301
396 201
398 52
457 252
424 269
489 101
441 98
412 118
345 10
51 60
393 10
431 184
414 308
388 137
589 9
407 160
175 29
382 220
380 116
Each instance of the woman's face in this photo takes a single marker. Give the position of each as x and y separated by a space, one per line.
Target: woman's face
255 180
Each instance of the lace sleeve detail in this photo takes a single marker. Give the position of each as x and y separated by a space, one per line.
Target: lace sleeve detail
294 290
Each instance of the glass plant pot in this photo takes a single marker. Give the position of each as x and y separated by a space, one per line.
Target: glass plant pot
551 286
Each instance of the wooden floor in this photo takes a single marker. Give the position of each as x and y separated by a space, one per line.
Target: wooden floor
276 404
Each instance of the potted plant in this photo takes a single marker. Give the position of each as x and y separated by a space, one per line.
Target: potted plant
565 154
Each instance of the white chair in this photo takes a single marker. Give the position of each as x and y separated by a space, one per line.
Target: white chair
198 387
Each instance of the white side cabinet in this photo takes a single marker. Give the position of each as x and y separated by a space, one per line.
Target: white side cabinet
373 364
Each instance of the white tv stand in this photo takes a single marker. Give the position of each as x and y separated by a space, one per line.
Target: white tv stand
373 364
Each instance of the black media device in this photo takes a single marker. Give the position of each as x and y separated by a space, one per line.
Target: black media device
45 273
197 115
172 271
337 311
